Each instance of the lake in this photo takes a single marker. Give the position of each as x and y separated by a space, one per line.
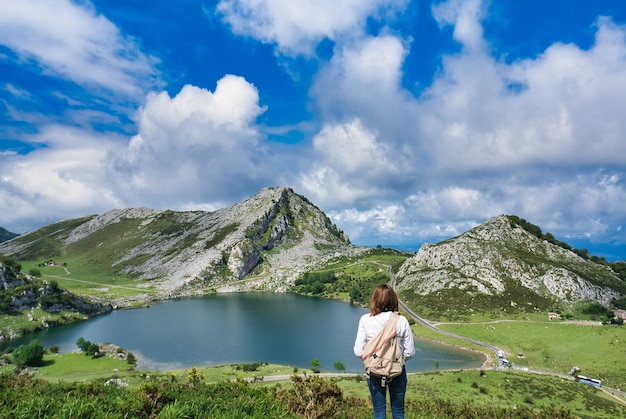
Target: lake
237 328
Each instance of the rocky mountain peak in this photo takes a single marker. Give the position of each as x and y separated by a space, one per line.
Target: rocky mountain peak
276 232
499 258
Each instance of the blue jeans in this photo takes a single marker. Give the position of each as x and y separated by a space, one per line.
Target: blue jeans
378 393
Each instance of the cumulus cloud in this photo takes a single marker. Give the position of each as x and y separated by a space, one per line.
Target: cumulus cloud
363 78
351 163
197 149
64 177
297 26
465 16
196 144
73 41
561 108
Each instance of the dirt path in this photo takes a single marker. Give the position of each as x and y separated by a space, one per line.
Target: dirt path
92 283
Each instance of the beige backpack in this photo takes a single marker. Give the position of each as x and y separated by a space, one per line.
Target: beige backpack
382 355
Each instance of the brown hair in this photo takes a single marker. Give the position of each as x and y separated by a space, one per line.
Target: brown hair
384 298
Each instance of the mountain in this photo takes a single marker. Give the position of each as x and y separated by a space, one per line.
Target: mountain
267 242
276 234
6 235
499 265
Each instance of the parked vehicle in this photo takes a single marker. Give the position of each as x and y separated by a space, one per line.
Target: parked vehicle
590 381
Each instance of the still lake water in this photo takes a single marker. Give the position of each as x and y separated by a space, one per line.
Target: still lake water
236 328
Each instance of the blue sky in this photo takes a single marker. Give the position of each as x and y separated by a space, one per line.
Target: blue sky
405 121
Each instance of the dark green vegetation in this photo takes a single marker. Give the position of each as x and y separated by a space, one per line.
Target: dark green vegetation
437 395
351 278
30 355
6 235
437 306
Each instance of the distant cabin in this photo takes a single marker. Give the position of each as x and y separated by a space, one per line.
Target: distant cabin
620 314
552 316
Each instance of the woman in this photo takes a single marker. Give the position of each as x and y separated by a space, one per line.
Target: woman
384 301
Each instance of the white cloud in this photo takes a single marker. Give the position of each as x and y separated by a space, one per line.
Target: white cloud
363 78
65 179
465 16
540 137
72 41
297 26
565 109
193 145
488 137
350 163
198 149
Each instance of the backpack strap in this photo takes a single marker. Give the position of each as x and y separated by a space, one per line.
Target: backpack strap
389 332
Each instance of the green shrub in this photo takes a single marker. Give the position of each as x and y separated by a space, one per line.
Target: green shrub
313 397
28 355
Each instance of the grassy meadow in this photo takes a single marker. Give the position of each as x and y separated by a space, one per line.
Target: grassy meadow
441 394
84 278
556 347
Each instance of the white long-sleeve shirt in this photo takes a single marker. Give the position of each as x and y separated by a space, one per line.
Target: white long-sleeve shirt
369 326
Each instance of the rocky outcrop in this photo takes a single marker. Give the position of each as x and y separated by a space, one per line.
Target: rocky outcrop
496 256
243 257
19 292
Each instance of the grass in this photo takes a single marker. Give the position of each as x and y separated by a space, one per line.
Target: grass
30 321
555 346
514 388
77 366
507 389
73 274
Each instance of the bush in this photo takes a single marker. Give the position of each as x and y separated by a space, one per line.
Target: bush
89 348
28 355
313 397
251 367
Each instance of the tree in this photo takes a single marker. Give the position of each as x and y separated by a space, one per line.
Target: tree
93 349
339 366
315 365
595 309
355 294
131 359
89 348
28 355
82 344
